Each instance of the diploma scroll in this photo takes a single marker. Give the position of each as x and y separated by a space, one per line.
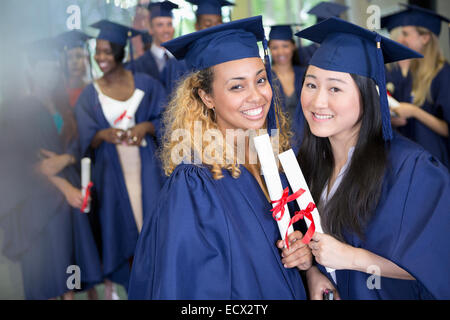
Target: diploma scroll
297 181
272 179
85 183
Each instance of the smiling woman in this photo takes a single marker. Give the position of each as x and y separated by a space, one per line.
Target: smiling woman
118 118
368 183
212 219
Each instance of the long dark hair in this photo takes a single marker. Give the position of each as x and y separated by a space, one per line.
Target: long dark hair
357 196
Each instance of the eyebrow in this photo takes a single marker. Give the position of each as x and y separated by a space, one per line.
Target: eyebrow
243 78
329 79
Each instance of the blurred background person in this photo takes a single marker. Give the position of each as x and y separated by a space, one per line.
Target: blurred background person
209 12
424 111
43 227
118 118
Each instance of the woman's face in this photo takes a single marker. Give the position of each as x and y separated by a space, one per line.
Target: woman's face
241 94
76 62
413 39
282 51
104 56
331 104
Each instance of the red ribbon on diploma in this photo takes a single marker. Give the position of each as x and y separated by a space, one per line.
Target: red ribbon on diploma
120 118
285 198
307 213
86 196
279 208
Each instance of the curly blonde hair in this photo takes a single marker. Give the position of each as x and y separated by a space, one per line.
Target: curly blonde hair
185 108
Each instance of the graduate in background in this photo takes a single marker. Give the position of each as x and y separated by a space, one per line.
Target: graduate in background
211 235
398 83
322 11
40 214
288 73
75 62
209 12
424 112
384 201
118 118
159 62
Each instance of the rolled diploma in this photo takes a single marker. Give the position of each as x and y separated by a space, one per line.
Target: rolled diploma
296 180
272 179
85 179
392 102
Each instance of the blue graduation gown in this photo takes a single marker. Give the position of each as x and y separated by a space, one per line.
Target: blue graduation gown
118 227
41 230
211 239
296 118
410 227
402 86
415 130
172 72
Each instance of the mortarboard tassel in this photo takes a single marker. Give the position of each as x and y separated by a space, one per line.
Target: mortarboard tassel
381 82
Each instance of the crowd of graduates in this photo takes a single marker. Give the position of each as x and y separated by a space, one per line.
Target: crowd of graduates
377 170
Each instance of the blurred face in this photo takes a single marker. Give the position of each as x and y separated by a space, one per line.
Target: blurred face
411 38
241 94
76 62
161 29
104 56
282 51
331 104
207 20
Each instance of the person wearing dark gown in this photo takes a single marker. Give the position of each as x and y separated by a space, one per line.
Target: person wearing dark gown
383 200
211 234
43 227
118 119
424 112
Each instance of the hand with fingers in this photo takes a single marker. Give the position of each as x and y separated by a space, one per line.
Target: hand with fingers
113 135
331 252
135 134
298 255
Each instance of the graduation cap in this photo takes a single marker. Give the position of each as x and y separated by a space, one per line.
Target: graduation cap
281 32
72 39
346 47
414 16
222 43
161 9
210 6
115 32
325 10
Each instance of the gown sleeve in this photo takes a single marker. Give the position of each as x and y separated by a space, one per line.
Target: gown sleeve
184 248
86 119
422 244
